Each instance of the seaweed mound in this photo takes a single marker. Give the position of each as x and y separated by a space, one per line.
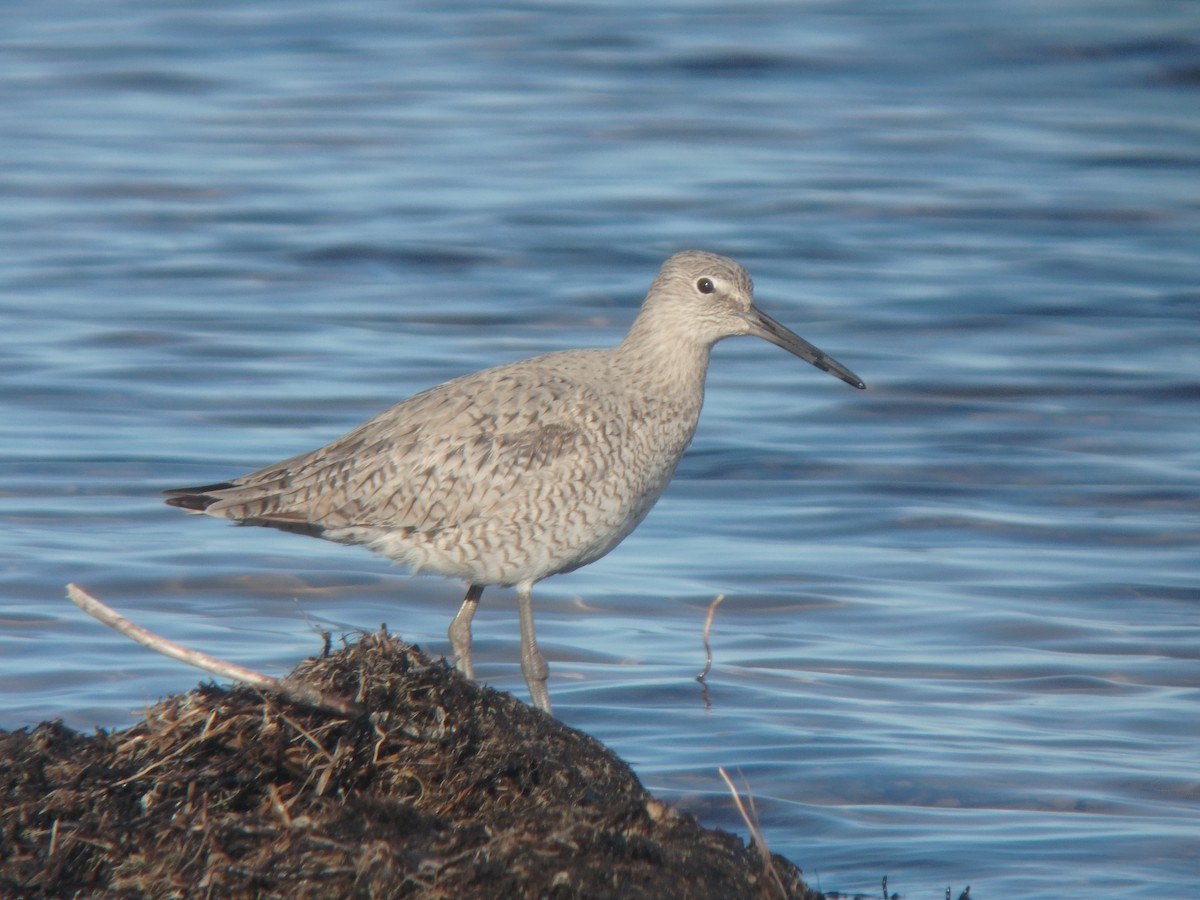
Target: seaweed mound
441 788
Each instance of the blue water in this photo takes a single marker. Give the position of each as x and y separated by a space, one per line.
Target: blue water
961 636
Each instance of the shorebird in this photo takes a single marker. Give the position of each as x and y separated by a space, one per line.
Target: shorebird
530 469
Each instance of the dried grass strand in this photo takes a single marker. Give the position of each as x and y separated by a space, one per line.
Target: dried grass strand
751 820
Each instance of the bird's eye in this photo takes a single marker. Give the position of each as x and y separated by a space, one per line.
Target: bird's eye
705 286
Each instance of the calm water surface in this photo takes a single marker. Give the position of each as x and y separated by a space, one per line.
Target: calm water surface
961 639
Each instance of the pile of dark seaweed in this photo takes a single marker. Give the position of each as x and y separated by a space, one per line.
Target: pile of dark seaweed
441 788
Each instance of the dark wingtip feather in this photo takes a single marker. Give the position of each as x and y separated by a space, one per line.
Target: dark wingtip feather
196 498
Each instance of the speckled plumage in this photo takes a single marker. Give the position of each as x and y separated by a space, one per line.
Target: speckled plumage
527 470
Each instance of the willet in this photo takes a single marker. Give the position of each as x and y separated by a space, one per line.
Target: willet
531 469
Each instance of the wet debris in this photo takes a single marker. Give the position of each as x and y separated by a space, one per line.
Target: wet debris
439 788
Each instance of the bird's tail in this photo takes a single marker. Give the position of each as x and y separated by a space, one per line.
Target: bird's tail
197 499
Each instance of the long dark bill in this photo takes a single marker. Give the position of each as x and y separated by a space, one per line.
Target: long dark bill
763 326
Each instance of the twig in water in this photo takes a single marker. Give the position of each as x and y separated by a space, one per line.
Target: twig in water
752 824
712 609
297 692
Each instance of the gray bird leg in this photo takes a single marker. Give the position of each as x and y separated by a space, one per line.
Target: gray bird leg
533 664
460 631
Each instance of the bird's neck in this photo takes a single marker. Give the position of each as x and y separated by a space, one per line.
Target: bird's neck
664 366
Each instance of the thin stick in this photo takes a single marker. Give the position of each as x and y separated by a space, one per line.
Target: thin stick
752 824
297 692
712 609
